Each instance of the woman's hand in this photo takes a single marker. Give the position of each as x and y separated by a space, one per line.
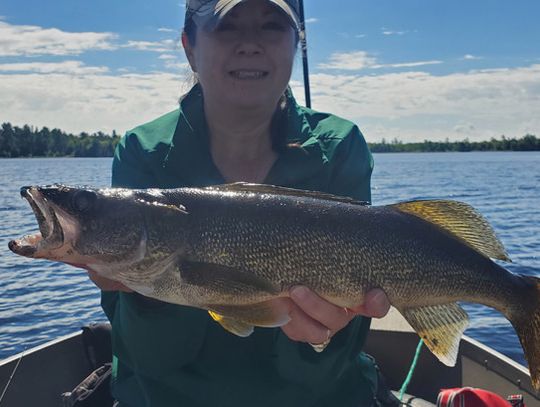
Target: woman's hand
315 320
105 284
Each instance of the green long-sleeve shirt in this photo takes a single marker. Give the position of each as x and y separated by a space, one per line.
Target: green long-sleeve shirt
169 355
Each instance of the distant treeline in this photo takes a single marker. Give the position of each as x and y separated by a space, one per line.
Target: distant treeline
526 143
27 141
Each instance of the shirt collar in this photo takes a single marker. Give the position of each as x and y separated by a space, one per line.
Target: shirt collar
189 160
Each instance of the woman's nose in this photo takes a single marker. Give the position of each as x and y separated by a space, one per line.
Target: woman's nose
249 43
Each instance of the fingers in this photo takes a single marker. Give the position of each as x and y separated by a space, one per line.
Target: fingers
376 304
303 328
315 320
105 284
329 315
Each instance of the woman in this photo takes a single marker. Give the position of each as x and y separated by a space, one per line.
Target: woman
241 123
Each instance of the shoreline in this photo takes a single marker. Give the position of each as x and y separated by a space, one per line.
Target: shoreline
373 151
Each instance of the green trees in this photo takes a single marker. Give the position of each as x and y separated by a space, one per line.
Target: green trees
528 142
29 142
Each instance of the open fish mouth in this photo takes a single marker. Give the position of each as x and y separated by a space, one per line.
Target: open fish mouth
51 234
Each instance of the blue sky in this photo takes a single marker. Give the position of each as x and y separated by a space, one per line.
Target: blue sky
412 70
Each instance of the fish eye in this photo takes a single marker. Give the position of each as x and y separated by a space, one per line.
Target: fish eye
83 200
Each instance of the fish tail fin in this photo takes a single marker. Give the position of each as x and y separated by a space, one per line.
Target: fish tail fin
526 322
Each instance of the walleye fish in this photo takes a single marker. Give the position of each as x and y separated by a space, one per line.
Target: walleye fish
231 249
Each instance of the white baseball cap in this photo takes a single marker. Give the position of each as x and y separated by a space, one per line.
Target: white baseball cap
204 11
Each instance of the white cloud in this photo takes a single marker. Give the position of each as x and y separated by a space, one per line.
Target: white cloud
358 60
464 128
175 62
167 45
417 105
408 105
470 57
182 67
30 40
67 67
351 61
390 32
311 20
166 30
408 64
90 102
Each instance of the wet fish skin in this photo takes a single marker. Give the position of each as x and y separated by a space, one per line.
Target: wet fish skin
232 249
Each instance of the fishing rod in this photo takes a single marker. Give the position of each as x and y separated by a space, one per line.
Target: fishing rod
12 375
303 42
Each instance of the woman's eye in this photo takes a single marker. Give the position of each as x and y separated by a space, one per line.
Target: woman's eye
225 26
274 25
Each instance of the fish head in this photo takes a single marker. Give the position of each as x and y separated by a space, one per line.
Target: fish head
83 226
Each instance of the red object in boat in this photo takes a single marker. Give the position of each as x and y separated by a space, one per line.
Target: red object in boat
471 397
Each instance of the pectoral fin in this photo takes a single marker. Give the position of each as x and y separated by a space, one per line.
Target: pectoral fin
227 284
240 319
440 327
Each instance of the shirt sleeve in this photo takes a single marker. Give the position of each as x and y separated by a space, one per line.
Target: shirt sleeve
353 165
128 171
128 167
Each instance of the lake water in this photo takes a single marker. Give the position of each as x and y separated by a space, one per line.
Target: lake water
41 300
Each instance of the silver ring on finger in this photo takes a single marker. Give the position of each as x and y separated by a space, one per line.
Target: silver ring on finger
319 347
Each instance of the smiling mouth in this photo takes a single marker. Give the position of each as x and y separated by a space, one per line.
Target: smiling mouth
248 74
50 234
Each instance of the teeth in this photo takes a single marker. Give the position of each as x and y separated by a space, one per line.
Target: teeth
39 212
248 74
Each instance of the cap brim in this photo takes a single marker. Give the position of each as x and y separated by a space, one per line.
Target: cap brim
223 7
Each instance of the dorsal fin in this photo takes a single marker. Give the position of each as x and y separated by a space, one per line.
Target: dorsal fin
461 220
277 190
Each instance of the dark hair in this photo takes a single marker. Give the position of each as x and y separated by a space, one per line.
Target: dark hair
190 29
278 125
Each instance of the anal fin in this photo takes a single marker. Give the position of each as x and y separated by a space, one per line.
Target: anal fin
440 327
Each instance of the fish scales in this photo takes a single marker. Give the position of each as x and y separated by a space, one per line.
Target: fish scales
257 235
234 249
274 248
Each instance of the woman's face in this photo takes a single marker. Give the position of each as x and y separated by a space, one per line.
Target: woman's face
246 61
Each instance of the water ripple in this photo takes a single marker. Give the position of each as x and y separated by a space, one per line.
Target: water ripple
41 300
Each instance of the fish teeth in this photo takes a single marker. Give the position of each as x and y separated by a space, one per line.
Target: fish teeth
41 212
